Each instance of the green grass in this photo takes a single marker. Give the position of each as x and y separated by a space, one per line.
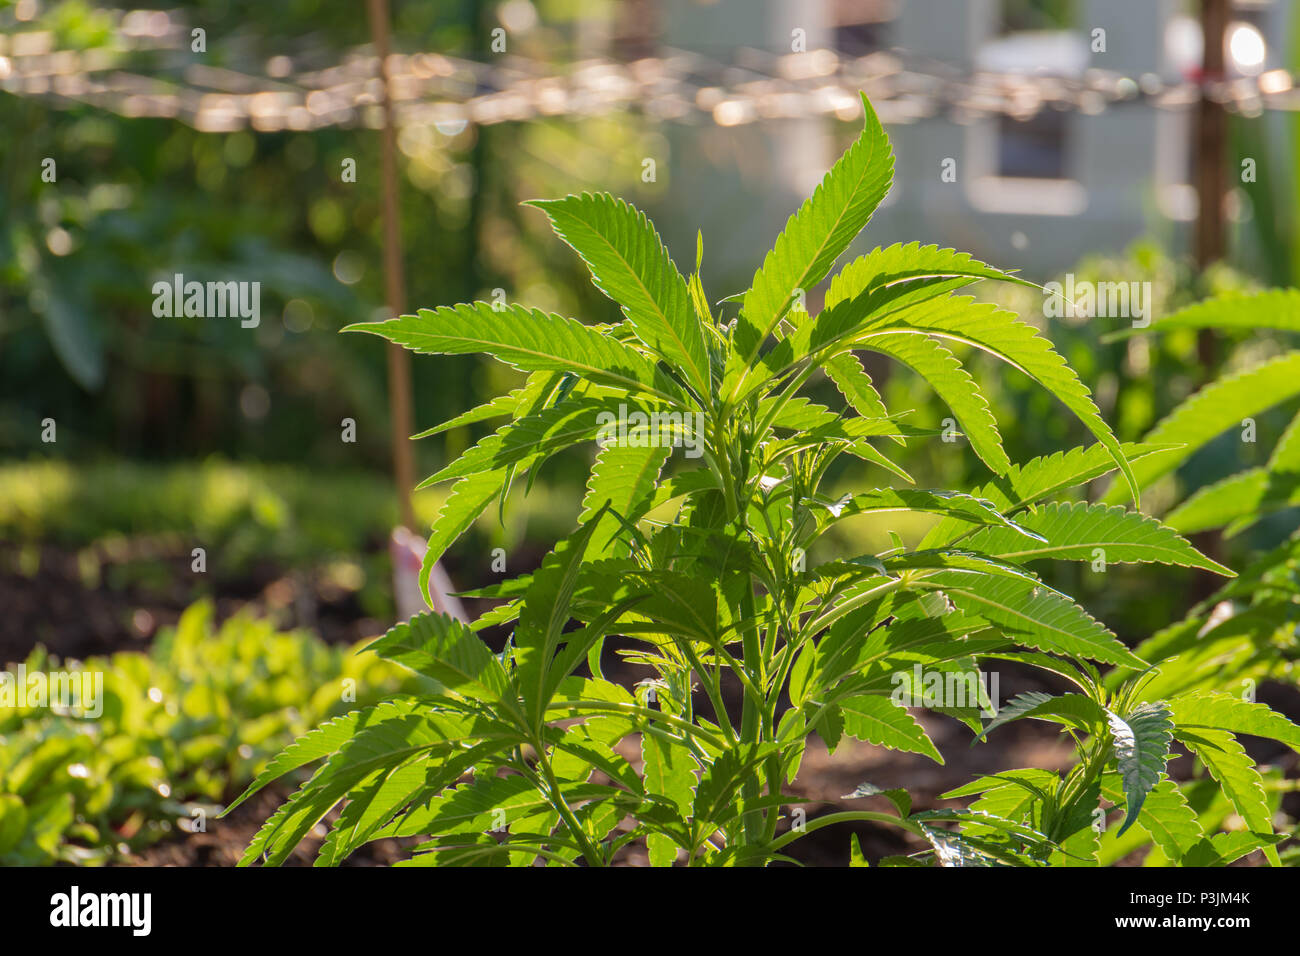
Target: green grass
241 513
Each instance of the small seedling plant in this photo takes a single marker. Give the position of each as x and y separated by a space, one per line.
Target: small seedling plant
714 563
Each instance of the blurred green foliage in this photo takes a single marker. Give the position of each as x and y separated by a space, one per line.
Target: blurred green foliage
241 513
281 514
137 200
246 517
181 727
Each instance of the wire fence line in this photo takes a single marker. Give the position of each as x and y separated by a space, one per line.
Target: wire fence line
148 70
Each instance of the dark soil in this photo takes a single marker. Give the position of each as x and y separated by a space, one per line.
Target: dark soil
48 597
224 841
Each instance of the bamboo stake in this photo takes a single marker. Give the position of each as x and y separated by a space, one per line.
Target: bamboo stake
399 362
1210 242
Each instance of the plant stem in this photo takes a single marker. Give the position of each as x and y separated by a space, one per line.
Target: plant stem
557 800
845 816
616 707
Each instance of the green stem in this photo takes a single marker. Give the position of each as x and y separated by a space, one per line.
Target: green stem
846 816
774 774
737 668
853 603
626 710
750 731
713 689
589 851
724 464
791 390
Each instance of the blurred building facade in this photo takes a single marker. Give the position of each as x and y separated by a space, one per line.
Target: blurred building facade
1035 192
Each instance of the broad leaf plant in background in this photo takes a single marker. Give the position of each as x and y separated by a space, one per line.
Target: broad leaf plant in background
707 565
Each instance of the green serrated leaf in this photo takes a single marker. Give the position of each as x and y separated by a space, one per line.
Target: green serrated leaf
625 478
630 264
1142 740
813 238
528 339
1214 409
1075 532
441 647
880 721
1211 710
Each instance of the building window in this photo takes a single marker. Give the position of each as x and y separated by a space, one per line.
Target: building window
1024 164
1033 148
863 26
1023 16
635 33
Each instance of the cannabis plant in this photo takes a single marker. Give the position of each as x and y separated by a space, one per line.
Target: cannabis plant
714 571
